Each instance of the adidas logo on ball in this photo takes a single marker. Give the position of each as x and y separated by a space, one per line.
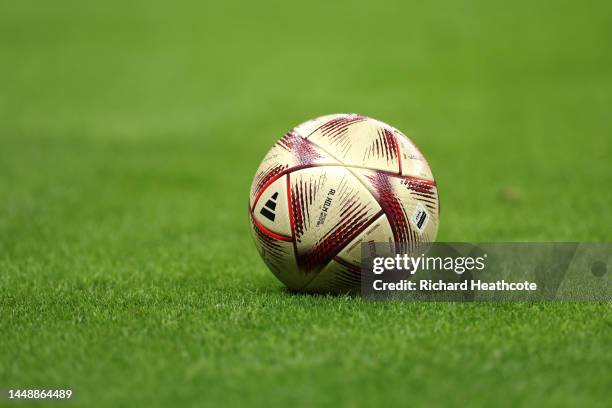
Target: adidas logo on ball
268 209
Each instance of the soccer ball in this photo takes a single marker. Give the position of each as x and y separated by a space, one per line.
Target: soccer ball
331 184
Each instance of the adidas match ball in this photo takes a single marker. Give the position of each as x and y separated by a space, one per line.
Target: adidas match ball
331 184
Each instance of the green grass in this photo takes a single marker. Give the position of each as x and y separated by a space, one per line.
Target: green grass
129 134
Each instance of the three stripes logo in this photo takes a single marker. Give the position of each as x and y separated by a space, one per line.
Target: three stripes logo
268 209
420 217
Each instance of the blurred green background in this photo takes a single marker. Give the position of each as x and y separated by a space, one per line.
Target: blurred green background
129 134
